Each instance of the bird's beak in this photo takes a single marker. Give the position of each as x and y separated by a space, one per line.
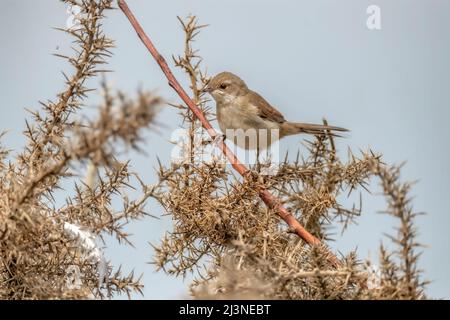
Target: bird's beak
207 89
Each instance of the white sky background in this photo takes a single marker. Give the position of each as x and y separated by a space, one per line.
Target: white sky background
311 59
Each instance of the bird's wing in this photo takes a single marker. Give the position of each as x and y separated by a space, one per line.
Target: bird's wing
265 110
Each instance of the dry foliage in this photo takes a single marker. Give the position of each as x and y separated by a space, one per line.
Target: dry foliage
52 252
237 247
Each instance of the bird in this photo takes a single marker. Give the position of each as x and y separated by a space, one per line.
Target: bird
247 119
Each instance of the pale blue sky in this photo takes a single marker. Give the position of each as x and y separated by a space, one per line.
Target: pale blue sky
309 58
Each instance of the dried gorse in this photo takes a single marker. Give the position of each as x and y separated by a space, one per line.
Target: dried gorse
222 232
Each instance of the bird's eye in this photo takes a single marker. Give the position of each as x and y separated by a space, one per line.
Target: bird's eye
223 86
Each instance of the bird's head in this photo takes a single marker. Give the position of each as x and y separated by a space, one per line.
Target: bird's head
225 87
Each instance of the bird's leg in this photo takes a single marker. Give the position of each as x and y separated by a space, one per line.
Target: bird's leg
258 165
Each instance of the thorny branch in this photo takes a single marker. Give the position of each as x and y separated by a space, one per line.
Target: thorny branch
49 250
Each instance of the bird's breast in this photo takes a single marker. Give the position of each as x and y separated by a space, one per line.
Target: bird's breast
237 116
240 121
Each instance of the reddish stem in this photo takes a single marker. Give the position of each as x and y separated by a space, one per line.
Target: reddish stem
270 200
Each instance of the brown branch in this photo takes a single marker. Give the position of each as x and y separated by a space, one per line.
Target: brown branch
270 200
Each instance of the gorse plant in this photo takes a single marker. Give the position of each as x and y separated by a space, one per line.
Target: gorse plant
48 251
235 244
240 248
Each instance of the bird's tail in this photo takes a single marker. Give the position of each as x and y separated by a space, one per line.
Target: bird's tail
290 128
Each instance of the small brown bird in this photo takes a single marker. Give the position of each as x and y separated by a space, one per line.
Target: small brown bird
238 107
